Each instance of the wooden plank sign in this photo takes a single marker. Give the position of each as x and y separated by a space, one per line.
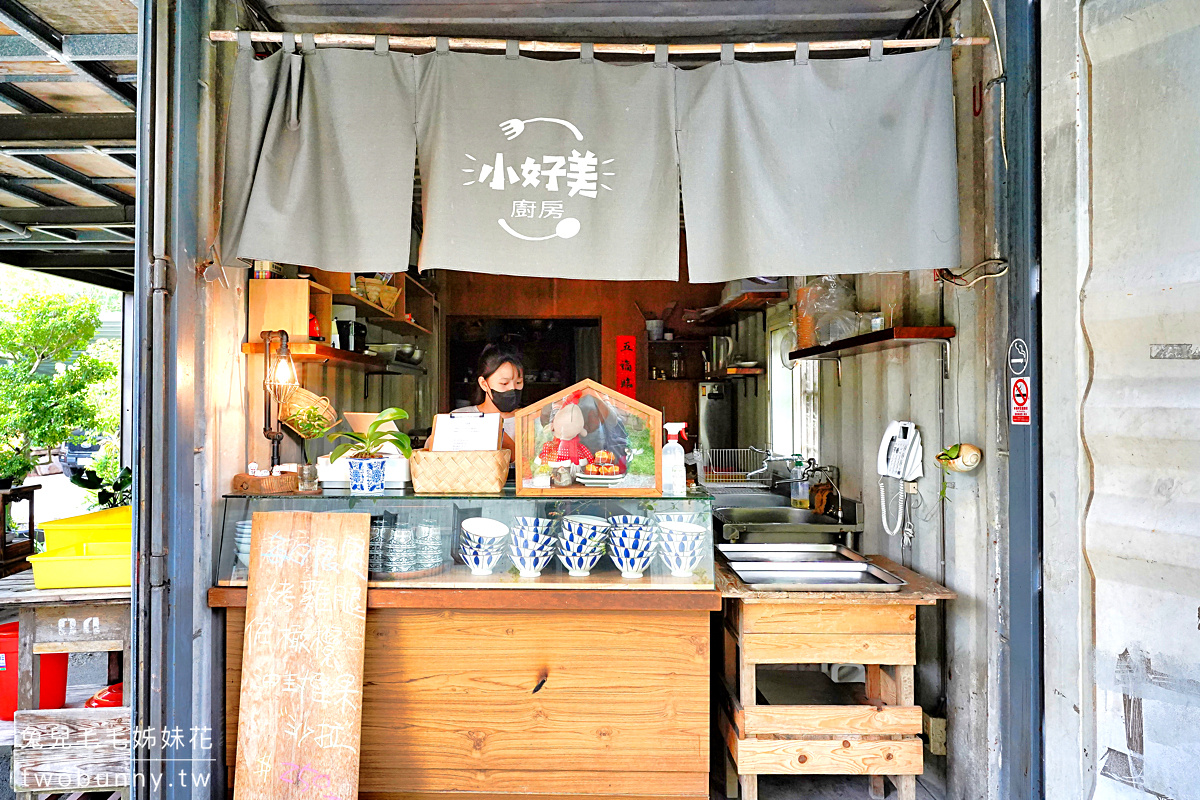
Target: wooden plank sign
70 749
301 697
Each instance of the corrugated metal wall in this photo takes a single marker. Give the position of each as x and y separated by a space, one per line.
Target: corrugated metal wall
1141 416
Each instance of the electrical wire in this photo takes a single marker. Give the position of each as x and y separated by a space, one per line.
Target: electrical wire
999 80
960 278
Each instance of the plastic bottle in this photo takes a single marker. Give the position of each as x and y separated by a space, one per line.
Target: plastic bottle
674 471
799 485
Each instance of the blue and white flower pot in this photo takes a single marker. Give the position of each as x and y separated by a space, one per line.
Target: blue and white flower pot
366 475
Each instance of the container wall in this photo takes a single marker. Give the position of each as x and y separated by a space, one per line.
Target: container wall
1141 316
960 540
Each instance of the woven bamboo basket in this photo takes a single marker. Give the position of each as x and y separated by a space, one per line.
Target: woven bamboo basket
388 295
465 472
302 398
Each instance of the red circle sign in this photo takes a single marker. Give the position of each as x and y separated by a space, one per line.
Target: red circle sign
1020 392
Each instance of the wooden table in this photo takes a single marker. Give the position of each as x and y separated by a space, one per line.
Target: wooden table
519 692
790 720
88 741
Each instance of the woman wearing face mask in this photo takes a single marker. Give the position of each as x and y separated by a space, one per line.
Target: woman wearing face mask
500 379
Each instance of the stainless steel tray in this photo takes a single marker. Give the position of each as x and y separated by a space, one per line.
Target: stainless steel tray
783 553
816 576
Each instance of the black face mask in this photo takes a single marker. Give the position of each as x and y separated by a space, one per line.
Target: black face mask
506 401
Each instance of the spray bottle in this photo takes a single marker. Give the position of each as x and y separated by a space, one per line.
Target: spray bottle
674 471
800 485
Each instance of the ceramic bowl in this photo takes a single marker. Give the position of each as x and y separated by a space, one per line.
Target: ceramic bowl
531 566
472 540
676 528
645 545
681 565
634 534
481 562
582 524
580 547
579 565
625 520
243 559
629 552
689 517
686 546
527 537
632 567
536 523
484 528
529 552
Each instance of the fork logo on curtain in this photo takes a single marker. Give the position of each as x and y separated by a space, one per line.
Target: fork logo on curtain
540 182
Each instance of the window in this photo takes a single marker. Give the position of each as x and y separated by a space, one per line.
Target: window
795 402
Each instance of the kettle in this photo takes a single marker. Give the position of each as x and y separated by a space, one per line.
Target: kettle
721 347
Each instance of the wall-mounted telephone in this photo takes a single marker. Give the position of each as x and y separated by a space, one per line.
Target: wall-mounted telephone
900 457
900 452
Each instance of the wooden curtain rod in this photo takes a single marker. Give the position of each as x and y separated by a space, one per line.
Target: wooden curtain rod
457 43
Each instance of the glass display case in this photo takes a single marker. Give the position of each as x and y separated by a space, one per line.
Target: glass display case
505 540
589 440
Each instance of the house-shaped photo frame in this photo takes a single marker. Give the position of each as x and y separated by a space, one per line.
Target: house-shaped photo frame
618 431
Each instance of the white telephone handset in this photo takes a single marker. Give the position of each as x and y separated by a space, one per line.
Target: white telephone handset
900 456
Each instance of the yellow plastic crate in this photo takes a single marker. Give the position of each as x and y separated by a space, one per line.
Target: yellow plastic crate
109 525
82 565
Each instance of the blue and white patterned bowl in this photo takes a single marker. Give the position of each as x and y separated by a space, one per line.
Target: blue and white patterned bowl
535 523
531 566
481 562
529 552
581 524
480 543
632 567
673 516
678 529
625 520
628 552
579 566
594 537
581 547
632 534
529 538
681 565
681 546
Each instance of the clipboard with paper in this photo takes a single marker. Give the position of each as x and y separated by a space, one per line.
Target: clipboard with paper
462 431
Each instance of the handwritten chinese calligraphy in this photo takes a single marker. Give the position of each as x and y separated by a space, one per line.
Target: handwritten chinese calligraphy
301 694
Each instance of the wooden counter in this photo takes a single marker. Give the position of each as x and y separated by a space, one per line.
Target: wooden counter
779 715
525 692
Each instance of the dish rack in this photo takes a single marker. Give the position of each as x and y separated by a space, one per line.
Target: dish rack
731 468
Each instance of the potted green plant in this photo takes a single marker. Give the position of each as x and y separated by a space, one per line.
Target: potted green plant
109 493
364 451
310 424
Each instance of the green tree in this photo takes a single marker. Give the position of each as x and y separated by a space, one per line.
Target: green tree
39 410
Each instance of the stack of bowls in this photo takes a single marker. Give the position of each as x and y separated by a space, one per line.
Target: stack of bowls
482 544
399 549
681 546
532 545
631 544
581 543
241 541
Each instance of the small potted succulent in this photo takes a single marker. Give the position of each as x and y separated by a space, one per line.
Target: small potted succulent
364 451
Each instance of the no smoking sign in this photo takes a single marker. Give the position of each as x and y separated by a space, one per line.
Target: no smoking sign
1020 398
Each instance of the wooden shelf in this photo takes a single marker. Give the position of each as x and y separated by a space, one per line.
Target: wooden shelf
876 341
737 372
315 352
747 303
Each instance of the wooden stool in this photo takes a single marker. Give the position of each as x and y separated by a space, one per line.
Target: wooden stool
71 749
14 550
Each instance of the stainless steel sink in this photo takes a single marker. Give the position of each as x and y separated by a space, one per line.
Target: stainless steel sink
816 576
792 516
772 520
